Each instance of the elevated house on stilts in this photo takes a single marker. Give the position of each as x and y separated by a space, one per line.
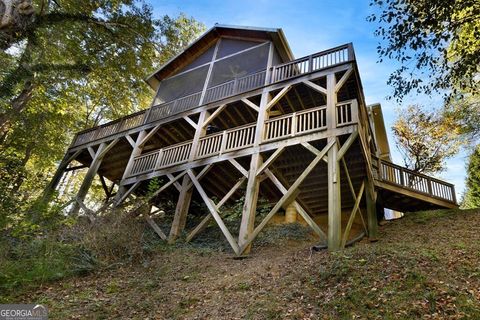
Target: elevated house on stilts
236 115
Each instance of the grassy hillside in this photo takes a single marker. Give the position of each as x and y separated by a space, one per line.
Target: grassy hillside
426 265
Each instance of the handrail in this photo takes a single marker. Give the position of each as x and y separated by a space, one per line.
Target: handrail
418 182
312 63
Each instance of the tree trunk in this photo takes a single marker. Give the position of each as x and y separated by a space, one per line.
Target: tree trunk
18 104
21 177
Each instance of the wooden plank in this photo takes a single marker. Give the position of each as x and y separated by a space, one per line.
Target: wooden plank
214 213
251 104
108 148
344 79
313 150
315 87
347 145
287 196
181 210
297 205
203 224
269 161
239 167
190 122
130 140
156 228
352 190
353 214
277 97
213 115
148 136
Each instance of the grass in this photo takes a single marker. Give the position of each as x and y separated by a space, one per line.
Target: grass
425 266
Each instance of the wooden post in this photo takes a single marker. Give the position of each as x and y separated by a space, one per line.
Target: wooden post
185 196
250 206
87 181
334 199
181 211
251 193
291 213
371 213
48 192
136 151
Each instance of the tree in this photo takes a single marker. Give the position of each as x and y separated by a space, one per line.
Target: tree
425 139
69 66
472 192
436 41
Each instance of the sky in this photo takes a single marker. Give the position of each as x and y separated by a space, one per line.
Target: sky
313 26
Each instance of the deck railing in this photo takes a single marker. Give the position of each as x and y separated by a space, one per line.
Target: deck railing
302 122
347 113
405 178
110 128
305 65
235 86
314 62
173 107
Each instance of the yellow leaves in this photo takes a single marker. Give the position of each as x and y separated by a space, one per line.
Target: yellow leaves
425 138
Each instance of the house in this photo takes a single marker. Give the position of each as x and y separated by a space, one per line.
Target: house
236 115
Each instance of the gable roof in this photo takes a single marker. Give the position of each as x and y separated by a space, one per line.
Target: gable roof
209 37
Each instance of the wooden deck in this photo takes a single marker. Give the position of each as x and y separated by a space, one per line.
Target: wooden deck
296 133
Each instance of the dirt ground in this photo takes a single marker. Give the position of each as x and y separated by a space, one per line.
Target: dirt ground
426 265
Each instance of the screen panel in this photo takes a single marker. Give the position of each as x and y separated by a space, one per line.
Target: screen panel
182 85
202 59
230 46
239 65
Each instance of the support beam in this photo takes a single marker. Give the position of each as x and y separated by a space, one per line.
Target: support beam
190 122
181 210
128 192
334 183
177 185
239 167
214 213
87 181
277 97
136 151
213 116
130 140
147 137
347 145
204 223
49 190
299 208
250 205
344 79
315 87
269 161
352 215
251 104
371 214
155 227
352 190
313 150
288 196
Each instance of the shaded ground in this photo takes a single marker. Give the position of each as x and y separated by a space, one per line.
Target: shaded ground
426 265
